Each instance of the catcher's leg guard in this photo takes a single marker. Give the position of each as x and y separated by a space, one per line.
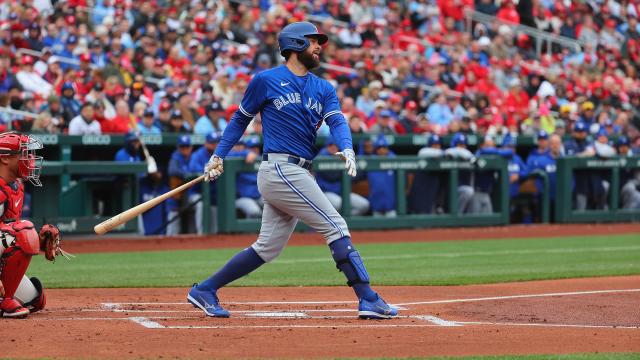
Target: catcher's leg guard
348 261
30 293
13 265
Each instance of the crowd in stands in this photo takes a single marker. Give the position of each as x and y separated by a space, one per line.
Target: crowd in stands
405 67
399 67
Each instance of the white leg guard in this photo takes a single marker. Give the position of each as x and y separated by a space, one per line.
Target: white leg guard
31 294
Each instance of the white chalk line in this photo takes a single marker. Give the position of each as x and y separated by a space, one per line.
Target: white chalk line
116 305
200 311
518 297
548 325
472 253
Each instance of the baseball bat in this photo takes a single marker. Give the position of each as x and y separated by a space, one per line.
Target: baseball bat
151 162
108 225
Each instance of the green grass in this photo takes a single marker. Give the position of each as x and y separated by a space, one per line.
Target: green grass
441 263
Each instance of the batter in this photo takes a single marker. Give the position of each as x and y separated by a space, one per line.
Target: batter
293 103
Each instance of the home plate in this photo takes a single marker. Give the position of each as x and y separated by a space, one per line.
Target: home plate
278 314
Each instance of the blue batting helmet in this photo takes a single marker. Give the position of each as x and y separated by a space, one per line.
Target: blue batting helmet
294 36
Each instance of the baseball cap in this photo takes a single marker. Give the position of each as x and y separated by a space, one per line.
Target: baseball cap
381 141
184 140
193 43
602 132
86 57
131 136
72 39
176 114
542 135
434 139
165 105
215 106
386 113
380 104
148 112
458 138
580 126
411 105
212 137
623 141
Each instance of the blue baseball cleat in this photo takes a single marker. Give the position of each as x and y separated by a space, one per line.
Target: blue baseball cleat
207 302
377 309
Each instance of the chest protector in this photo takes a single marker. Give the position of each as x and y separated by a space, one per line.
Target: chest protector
12 199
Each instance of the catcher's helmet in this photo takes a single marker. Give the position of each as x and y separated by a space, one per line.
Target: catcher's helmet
294 36
29 164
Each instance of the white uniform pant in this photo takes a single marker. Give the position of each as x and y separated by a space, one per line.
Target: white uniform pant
213 212
359 204
630 195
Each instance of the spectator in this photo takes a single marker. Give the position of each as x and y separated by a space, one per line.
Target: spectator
121 123
385 124
84 123
176 124
439 113
382 183
212 121
70 105
147 124
198 160
330 183
44 125
32 81
178 171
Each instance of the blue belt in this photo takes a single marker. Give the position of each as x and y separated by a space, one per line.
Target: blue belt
306 164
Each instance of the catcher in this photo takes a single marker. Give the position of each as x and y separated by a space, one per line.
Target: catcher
19 240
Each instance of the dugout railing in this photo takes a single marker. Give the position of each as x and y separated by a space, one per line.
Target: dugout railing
610 169
228 221
78 195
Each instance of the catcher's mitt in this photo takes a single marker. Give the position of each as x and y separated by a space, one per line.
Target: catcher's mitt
50 242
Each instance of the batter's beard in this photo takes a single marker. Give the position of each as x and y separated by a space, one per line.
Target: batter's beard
306 58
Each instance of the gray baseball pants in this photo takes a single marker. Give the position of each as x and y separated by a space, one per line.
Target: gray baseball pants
290 193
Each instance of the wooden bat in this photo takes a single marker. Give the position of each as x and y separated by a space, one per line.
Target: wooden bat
127 215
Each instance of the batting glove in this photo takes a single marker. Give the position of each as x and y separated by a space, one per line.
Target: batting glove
213 169
349 158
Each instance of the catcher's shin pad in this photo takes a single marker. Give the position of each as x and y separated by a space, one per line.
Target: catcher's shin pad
31 294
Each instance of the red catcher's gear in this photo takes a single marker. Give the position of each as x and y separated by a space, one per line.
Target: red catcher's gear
11 195
29 165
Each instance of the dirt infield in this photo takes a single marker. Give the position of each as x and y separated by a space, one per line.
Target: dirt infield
541 317
97 244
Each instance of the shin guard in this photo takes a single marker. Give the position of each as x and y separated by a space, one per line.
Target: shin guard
13 265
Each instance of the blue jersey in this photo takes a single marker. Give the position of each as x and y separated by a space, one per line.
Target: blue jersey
154 218
178 167
329 181
543 161
123 156
246 182
517 166
199 159
574 147
292 109
485 180
382 188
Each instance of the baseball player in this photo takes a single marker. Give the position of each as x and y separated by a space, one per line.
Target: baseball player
19 240
178 169
249 200
331 184
293 104
198 160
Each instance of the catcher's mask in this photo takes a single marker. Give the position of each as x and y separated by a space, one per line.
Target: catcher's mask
25 146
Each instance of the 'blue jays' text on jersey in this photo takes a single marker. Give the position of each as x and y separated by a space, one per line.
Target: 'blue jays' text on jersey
292 109
199 159
246 182
547 163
